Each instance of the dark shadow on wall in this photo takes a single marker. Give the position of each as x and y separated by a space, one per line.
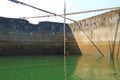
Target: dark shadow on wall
19 37
71 44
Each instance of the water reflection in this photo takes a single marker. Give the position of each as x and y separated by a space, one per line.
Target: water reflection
51 68
115 68
65 72
69 66
96 68
31 68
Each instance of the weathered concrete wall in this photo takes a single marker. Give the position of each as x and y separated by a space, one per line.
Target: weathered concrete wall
19 37
100 29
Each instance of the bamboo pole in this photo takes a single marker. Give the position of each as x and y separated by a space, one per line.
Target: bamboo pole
116 31
65 70
118 48
109 46
90 39
73 13
64 28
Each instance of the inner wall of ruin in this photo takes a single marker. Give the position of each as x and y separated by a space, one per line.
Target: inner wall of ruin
100 29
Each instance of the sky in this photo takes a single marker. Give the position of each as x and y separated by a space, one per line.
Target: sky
13 10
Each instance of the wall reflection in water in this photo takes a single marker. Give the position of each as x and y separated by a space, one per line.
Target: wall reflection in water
93 68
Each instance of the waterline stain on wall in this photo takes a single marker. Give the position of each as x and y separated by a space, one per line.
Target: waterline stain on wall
100 29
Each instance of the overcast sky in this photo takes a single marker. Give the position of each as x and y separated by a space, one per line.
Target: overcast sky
12 10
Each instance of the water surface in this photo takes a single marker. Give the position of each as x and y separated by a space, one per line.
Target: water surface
72 67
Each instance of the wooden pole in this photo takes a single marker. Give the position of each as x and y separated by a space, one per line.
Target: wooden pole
116 31
109 46
65 70
64 28
118 48
90 40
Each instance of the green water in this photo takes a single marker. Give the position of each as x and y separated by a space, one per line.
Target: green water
72 67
